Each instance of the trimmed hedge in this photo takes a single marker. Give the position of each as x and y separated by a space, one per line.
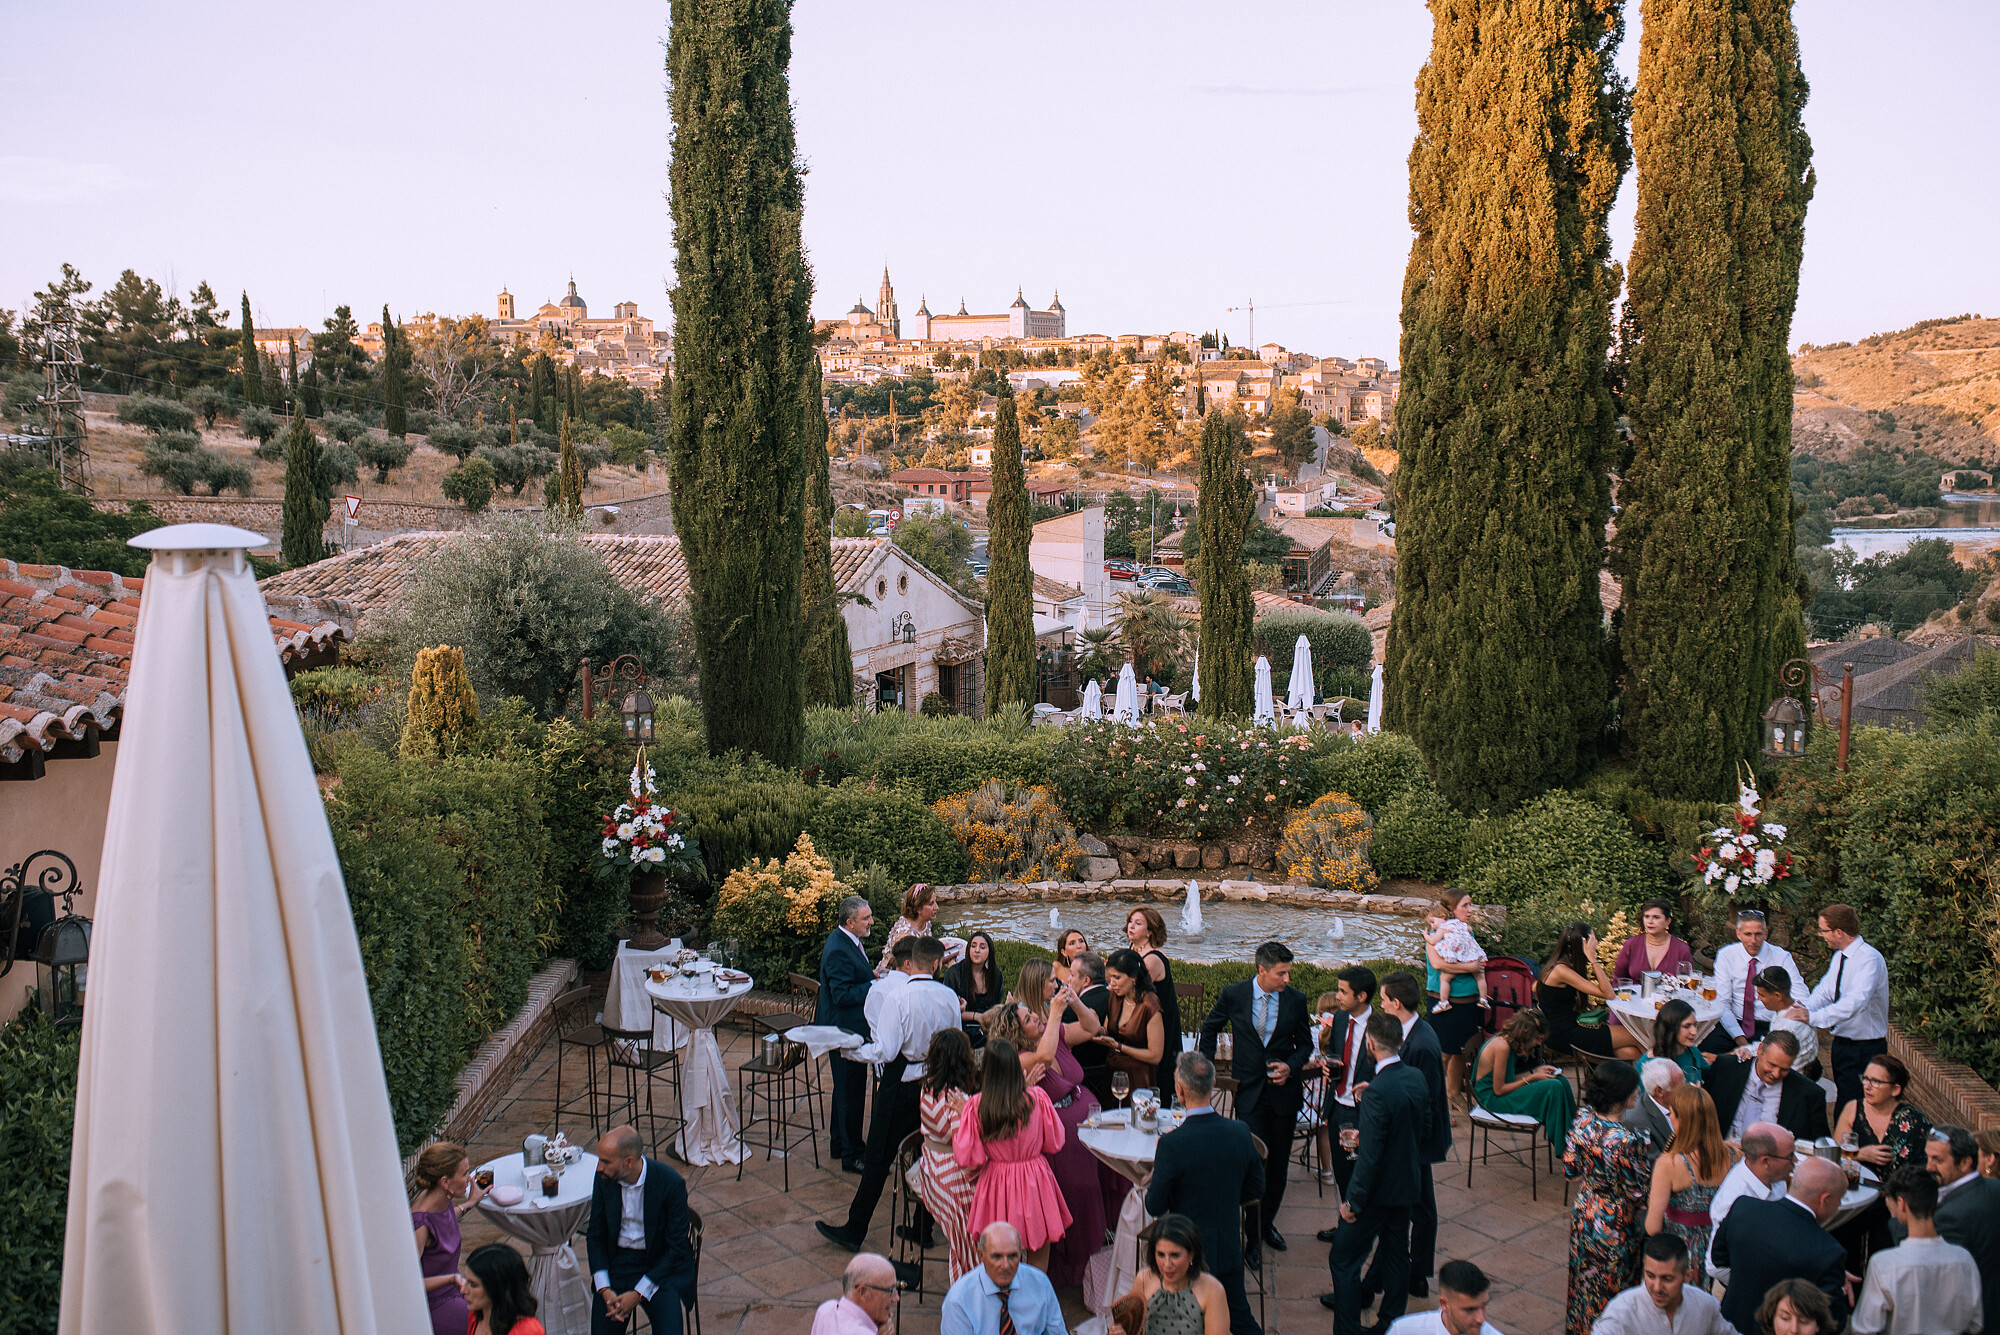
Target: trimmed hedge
1417 833
737 821
889 827
1373 770
1342 646
37 1113
1556 859
937 767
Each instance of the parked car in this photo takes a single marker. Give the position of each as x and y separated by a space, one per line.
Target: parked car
1168 583
1158 572
1121 569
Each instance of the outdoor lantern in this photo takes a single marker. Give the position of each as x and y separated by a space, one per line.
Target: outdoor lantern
61 961
1784 729
638 712
909 632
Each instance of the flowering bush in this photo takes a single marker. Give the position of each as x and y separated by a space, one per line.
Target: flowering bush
780 911
1745 853
1013 832
1327 844
1193 778
645 836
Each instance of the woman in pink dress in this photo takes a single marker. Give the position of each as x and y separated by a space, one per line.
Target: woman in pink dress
445 1191
1005 1135
951 1077
1654 948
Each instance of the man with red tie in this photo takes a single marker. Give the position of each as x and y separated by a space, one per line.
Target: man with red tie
1348 1066
1744 1018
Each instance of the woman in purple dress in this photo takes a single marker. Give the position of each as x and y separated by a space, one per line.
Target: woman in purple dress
1076 1168
445 1191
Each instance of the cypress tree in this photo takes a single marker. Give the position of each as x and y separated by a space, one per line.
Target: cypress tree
309 404
829 661
1704 545
395 416
568 480
538 383
293 381
1010 583
1224 507
253 371
743 337
574 408
274 382
306 511
1496 657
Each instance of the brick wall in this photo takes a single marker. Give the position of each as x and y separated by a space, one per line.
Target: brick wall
1944 1090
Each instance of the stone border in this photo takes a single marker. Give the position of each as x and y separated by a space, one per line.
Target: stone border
1945 1090
1290 894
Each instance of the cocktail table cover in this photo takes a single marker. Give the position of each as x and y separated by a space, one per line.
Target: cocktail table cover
706 1098
556 1275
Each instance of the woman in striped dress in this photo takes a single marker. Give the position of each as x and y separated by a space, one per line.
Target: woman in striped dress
950 1076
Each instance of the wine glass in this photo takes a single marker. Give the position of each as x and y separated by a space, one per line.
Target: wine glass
1121 1085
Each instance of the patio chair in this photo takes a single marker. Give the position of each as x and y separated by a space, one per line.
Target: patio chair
1484 1122
577 1030
1310 1110
906 1211
1171 704
691 1295
632 1051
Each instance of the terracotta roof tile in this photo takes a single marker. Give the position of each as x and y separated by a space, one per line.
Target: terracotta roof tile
66 640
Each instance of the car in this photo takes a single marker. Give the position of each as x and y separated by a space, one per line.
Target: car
1167 584
1121 569
1158 572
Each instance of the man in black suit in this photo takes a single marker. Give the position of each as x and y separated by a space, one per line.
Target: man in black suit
1266 1016
1401 996
637 1238
1095 1058
1968 1210
1395 1127
1208 1170
1766 1090
1347 1063
1762 1242
844 979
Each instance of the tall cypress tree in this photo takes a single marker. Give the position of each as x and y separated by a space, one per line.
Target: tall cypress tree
1010 583
829 661
309 404
574 407
743 335
293 382
1224 508
304 538
395 416
253 370
568 480
538 385
274 382
1496 656
1704 543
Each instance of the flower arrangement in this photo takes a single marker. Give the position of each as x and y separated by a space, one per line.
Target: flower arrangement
1612 939
1012 832
1747 852
643 835
1327 844
1193 778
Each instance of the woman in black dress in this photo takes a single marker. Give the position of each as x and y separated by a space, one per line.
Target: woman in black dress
1147 931
977 980
1574 981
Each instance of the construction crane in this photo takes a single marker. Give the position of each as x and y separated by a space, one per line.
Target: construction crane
1250 305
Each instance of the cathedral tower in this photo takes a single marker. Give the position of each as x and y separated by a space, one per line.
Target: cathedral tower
885 307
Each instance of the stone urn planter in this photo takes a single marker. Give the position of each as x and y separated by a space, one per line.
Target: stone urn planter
648 892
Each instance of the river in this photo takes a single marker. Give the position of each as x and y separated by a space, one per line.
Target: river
1973 520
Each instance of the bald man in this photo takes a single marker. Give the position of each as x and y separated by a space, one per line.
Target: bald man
867 1298
1763 1242
1001 1286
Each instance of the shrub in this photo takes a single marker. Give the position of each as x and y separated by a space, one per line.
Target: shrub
1192 779
1418 834
457 439
934 705
1339 641
887 826
332 697
1373 771
156 415
339 466
470 484
260 424
344 427
936 765
1559 858
737 822
1012 832
207 402
1327 844
180 463
384 453
443 713
37 1111
780 911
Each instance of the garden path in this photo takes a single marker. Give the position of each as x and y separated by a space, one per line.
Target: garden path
764 1269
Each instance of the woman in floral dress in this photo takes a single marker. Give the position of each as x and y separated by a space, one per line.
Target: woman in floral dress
951 1076
1609 1162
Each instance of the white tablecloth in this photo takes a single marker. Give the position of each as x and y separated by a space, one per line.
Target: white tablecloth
1130 1154
557 1278
1855 1199
626 1005
821 1039
706 1102
1637 1014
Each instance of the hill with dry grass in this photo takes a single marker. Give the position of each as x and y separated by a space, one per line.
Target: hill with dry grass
1934 386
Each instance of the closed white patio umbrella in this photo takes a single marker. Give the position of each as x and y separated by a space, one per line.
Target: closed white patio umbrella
1263 714
234 1167
1375 700
1127 708
1093 700
1195 689
1299 695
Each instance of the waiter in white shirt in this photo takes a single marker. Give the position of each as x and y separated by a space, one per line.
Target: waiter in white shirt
1744 1018
908 1015
1852 1000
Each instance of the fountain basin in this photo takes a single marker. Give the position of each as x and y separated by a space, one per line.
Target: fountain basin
1232 929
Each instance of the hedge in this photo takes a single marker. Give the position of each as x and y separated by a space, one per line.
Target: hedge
37 1112
1556 859
737 821
1373 771
938 767
1417 833
889 827
1342 646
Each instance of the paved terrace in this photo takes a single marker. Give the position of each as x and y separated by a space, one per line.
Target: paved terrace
764 1269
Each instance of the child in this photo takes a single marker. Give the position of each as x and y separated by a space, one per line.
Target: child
1451 937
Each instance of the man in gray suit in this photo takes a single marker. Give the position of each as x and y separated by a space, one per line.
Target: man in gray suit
1648 1116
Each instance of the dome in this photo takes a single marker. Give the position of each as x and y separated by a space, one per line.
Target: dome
572 300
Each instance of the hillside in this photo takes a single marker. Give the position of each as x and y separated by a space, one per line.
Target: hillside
1934 386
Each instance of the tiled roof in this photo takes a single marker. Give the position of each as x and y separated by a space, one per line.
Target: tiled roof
66 652
1055 590
1894 696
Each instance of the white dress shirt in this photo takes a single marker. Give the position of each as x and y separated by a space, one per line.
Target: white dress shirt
1734 966
1920 1287
1861 978
1357 1034
1430 1323
631 1232
1634 1312
1738 1183
1759 1104
910 1016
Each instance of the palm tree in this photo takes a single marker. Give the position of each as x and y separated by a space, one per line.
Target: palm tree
1155 634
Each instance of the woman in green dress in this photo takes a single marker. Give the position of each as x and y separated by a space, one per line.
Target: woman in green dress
1677 1037
1507 1082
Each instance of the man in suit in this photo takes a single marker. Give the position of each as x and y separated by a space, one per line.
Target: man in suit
1095 1058
1657 1078
1767 1090
637 1238
1208 1170
1968 1209
1401 996
1267 1017
1762 1242
1395 1127
1348 1066
844 979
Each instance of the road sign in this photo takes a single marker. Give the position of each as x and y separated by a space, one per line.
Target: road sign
353 510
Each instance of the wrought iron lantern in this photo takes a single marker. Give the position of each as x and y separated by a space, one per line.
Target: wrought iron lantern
1784 729
62 963
637 709
636 706
62 948
909 632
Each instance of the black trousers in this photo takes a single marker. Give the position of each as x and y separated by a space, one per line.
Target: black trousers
1387 1229
1242 1321
1338 1116
1720 1044
850 1099
1273 1121
1850 1058
898 1112
663 1309
1423 1245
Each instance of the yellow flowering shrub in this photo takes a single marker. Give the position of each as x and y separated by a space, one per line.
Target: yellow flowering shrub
1013 832
443 712
1327 845
780 911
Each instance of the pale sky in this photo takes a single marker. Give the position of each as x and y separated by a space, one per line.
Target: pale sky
1158 162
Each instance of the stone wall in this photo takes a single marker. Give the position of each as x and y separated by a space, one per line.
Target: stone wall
380 520
1236 857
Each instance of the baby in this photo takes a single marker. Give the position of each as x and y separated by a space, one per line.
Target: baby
1453 941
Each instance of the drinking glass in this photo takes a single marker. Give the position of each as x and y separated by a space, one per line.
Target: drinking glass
1350 1139
1121 1085
1850 1145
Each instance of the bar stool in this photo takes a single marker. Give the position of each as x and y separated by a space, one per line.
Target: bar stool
772 1087
574 1030
907 1212
632 1051
804 1004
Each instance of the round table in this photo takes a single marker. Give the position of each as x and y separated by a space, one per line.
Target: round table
1855 1199
710 1133
1129 1153
561 1286
1636 1013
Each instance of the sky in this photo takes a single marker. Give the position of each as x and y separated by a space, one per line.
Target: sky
1162 164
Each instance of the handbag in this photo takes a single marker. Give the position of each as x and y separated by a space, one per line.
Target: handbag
1593 1019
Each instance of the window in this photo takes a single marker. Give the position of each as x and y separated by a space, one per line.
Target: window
902 584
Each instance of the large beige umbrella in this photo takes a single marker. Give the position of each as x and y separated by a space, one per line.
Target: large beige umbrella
235 1166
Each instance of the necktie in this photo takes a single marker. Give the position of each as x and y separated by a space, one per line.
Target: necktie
1839 971
1006 1317
1750 998
1347 1063
1264 1000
